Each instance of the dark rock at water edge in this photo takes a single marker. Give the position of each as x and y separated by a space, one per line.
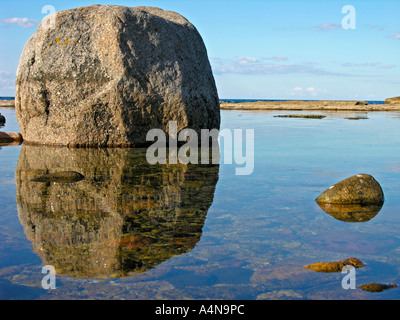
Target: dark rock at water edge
360 189
60 177
10 137
106 75
2 120
303 116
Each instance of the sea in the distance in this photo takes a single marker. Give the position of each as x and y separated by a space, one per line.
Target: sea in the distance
254 100
130 230
239 100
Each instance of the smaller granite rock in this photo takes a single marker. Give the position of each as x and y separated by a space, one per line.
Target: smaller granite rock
2 120
361 103
360 189
60 177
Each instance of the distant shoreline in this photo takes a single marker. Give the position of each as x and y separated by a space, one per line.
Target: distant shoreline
312 105
7 103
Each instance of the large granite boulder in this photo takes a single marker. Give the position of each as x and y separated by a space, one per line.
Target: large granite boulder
105 75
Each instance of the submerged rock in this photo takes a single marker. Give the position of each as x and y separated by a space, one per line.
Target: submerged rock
360 189
335 266
280 294
303 116
377 287
106 75
286 275
2 120
351 212
60 177
357 118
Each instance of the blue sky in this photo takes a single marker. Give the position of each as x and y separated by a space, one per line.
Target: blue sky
261 49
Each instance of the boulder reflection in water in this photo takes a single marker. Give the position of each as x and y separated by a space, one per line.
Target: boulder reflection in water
351 212
125 217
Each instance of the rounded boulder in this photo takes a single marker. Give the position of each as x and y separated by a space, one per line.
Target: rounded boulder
360 189
104 75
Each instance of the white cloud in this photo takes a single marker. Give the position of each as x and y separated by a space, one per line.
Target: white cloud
327 26
306 92
245 60
374 27
394 36
387 66
255 66
366 64
369 64
279 58
21 22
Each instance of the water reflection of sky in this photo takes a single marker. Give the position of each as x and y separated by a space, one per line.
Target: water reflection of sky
260 230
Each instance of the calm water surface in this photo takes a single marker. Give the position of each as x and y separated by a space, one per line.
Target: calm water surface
134 231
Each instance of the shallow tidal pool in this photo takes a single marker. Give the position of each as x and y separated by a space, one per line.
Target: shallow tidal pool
130 230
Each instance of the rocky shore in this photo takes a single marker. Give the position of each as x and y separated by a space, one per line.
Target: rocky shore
392 104
7 103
